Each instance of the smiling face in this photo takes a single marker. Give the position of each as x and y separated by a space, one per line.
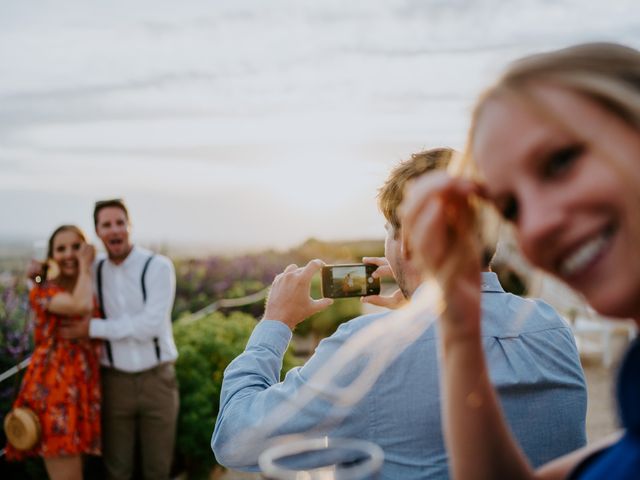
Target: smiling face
112 226
65 246
572 194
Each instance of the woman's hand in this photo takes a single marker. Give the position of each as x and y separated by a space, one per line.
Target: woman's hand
440 232
86 255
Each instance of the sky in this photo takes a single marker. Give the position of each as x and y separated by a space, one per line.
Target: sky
234 125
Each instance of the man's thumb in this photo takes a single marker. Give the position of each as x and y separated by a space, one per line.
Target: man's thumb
321 304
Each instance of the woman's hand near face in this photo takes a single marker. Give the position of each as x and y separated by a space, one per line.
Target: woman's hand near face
78 302
86 255
440 233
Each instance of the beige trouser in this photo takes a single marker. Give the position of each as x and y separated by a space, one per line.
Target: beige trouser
140 405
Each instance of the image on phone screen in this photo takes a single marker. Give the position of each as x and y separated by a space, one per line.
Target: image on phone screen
349 281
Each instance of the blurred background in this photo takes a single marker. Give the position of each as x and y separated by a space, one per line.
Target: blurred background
246 135
242 124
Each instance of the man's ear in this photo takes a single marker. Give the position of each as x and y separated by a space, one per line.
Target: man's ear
405 251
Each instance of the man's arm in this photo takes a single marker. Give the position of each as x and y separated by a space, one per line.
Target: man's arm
161 288
252 394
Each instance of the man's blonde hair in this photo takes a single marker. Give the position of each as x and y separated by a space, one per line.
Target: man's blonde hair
391 193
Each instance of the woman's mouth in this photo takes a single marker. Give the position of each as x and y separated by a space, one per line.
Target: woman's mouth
586 255
69 264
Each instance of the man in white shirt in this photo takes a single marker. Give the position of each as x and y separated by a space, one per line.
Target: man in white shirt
135 290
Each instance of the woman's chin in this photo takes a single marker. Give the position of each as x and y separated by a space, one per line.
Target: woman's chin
616 305
69 273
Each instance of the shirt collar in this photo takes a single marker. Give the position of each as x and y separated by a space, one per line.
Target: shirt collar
129 258
490 284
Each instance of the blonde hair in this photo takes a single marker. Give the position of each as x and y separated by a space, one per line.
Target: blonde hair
391 194
606 73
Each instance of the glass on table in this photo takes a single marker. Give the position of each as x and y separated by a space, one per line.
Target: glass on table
322 458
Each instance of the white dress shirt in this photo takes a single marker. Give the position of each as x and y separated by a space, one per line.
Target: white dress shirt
131 324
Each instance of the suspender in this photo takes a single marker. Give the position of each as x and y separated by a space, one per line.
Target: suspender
156 342
107 343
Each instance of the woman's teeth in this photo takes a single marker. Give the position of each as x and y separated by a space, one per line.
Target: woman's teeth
584 255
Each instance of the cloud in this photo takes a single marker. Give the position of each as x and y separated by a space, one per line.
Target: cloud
200 111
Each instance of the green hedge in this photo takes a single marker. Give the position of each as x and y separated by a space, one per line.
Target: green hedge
206 347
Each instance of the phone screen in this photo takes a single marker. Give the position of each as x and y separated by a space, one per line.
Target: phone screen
349 281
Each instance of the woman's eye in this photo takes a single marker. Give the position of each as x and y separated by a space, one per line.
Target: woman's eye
76 247
560 160
60 249
509 210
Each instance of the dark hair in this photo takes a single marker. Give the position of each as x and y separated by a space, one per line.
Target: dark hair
60 229
114 202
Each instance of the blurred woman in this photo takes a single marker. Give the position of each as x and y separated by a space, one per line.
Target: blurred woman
555 147
62 383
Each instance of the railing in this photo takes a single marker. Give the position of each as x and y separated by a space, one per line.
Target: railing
15 369
223 303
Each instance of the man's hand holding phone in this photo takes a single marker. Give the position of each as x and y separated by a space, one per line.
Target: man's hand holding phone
289 300
393 301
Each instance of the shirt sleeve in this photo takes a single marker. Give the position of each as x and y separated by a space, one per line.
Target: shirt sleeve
252 391
160 283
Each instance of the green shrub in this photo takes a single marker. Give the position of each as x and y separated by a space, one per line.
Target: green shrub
206 347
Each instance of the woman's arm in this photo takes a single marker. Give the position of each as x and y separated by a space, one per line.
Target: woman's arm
440 231
80 301
478 439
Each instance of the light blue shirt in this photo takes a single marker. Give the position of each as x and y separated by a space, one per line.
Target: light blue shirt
533 363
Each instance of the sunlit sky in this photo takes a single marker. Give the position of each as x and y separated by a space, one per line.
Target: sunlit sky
242 124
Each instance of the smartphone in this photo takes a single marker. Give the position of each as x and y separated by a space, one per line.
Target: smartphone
352 280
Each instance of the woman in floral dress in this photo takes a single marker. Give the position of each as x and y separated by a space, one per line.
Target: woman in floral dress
62 383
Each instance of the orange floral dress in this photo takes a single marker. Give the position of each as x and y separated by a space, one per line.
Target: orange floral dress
61 385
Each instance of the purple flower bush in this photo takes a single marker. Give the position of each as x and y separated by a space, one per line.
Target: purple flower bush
202 282
16 343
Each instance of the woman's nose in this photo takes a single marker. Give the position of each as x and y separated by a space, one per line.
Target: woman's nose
539 225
